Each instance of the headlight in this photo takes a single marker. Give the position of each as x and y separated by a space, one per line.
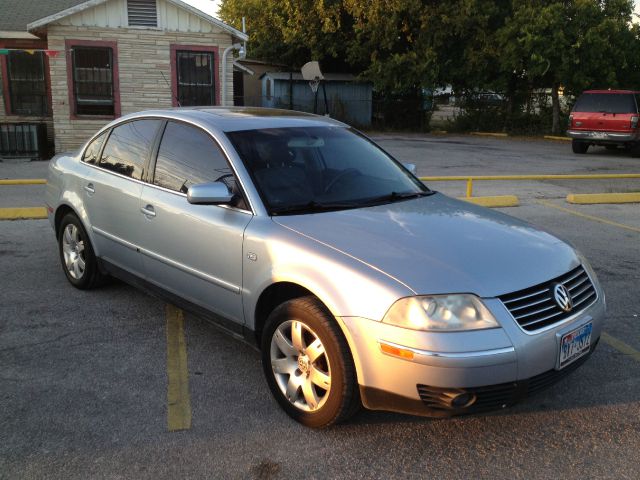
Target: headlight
441 313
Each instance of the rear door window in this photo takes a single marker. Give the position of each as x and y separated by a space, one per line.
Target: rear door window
93 150
128 147
606 103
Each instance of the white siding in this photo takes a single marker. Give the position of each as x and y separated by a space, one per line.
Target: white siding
113 14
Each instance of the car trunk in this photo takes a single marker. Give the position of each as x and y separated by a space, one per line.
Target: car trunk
611 112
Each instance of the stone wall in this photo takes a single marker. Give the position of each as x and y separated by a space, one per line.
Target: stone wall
144 73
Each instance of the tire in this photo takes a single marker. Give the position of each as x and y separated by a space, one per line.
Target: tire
579 147
299 368
76 254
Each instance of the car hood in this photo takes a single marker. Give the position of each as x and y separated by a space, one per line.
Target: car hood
437 244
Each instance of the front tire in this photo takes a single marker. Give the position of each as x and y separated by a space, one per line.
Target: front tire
78 260
308 364
579 147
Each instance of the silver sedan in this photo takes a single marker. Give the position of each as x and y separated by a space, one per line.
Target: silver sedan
296 233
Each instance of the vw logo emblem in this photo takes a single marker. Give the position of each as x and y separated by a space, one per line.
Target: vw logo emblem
562 297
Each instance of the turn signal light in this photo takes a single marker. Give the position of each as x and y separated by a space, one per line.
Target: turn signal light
396 351
570 120
634 122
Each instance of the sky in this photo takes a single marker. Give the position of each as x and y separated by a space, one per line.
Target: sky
211 7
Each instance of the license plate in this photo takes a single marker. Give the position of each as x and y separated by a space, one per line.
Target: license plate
598 135
575 344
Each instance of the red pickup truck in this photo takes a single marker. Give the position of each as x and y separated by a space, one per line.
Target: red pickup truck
605 117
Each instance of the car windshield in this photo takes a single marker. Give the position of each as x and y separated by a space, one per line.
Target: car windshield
313 169
606 103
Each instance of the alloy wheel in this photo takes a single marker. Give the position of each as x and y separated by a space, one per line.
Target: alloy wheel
73 251
300 365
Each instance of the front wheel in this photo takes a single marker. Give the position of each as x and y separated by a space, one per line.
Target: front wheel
308 364
579 147
76 254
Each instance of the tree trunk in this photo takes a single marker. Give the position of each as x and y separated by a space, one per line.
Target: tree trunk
555 103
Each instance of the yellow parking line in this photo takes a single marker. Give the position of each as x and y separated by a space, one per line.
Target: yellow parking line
620 346
590 217
23 181
23 213
555 137
178 400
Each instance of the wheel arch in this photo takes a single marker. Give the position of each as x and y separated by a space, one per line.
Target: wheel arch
282 291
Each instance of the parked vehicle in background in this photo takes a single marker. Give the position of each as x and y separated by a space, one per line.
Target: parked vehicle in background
359 284
607 118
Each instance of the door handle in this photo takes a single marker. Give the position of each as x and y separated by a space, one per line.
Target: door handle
149 211
90 189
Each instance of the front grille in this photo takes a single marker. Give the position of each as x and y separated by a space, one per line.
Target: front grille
535 307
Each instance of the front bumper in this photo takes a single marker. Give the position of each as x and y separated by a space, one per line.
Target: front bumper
596 136
497 367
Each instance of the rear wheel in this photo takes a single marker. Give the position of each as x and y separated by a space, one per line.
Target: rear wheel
76 254
308 364
579 147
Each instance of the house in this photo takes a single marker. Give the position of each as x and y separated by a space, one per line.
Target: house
248 73
348 99
69 66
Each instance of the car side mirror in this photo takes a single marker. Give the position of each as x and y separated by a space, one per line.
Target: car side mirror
216 193
411 167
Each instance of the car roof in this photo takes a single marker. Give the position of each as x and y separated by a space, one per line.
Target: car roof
611 91
229 119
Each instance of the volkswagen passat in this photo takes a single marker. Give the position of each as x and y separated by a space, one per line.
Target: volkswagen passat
359 284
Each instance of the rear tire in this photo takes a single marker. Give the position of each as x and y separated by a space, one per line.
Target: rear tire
308 364
579 147
78 260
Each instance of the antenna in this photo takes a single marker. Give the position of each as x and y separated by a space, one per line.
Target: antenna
168 85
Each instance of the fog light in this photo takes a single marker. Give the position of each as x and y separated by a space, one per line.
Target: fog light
463 400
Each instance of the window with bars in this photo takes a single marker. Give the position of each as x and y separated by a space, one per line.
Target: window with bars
142 13
27 84
196 78
93 81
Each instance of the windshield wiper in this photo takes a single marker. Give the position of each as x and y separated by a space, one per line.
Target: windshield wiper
393 196
313 206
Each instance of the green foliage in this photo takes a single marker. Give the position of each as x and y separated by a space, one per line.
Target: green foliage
406 46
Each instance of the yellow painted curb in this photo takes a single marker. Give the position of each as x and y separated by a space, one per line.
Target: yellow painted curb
23 181
554 137
489 134
22 213
495 201
588 198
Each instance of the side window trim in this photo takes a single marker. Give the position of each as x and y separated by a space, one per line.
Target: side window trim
150 165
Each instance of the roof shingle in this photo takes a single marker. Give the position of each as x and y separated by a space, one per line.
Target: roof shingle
15 15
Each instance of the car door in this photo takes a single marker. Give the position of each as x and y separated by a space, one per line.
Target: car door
193 251
112 192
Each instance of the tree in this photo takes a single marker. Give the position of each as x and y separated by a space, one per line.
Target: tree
293 32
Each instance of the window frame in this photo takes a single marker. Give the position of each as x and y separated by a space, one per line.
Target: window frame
113 45
174 49
151 171
6 90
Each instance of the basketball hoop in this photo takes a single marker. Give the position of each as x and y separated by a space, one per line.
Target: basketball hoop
314 84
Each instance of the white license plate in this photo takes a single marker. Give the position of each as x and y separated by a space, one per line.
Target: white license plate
575 344
598 135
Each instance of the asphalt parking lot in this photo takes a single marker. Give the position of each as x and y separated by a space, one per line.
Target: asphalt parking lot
83 384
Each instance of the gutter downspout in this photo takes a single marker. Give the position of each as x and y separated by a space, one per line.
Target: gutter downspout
223 94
